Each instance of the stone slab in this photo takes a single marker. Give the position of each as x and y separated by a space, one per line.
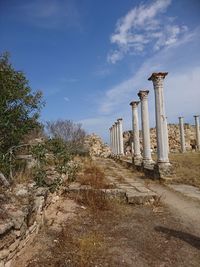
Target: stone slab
187 190
138 198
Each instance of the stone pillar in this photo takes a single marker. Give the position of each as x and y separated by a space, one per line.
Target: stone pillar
132 149
196 117
137 158
121 142
167 137
182 134
110 129
112 145
161 129
114 140
143 95
117 138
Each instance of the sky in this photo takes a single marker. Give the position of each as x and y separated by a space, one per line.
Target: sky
91 57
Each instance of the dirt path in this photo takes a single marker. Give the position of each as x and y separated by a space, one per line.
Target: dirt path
117 234
184 208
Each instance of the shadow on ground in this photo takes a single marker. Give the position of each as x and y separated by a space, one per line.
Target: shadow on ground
190 239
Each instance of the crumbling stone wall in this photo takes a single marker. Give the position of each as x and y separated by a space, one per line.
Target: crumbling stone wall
174 138
21 215
96 147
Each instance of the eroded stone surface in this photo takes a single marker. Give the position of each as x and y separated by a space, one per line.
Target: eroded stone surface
187 190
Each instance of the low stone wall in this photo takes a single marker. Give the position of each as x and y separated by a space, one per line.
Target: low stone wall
21 217
174 138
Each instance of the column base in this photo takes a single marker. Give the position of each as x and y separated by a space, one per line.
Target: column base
137 161
148 164
163 170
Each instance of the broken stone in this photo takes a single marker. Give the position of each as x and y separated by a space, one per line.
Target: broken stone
5 227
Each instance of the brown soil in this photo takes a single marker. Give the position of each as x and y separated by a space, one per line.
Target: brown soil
187 168
119 236
113 234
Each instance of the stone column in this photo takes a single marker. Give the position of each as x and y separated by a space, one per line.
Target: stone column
167 137
117 138
196 117
110 129
143 95
182 134
161 129
121 142
114 139
137 157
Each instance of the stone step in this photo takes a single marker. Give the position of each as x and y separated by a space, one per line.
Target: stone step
139 198
139 195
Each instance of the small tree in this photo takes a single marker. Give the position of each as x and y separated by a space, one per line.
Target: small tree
19 107
71 133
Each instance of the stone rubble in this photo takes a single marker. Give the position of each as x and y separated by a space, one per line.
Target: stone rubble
174 138
21 215
96 147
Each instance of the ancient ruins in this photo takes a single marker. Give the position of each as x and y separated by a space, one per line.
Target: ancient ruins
163 139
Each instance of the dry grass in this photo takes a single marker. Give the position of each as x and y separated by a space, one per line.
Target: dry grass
93 176
187 168
94 199
23 176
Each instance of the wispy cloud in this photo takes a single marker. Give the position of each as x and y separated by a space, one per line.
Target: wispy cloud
143 27
165 60
69 80
102 72
50 14
66 99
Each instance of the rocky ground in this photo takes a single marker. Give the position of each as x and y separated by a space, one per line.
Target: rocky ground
92 230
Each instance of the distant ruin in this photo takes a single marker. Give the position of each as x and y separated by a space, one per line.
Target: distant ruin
174 138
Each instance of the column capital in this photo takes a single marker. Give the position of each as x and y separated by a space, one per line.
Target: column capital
119 120
157 76
143 94
196 116
134 104
116 123
181 117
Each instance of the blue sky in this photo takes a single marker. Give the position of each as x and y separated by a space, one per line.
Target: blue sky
91 57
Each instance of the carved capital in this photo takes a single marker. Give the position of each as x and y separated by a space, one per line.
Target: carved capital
134 104
143 94
157 78
157 75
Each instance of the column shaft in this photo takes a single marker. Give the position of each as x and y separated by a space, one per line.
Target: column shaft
143 95
117 138
121 142
182 134
136 132
161 129
114 140
197 132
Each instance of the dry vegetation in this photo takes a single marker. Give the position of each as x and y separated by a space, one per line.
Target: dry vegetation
187 168
92 175
109 233
120 235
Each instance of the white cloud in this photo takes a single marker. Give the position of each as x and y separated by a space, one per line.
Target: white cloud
50 14
144 27
181 87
